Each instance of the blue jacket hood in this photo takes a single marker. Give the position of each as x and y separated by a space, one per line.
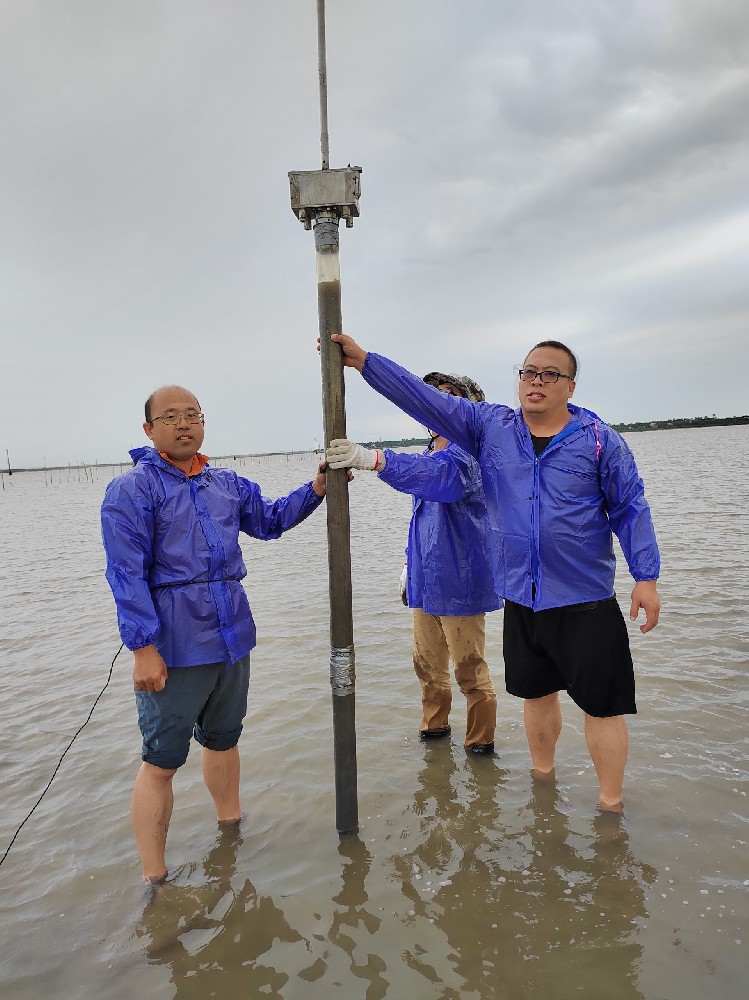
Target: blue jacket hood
148 455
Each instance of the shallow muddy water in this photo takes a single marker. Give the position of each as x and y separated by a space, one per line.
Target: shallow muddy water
467 879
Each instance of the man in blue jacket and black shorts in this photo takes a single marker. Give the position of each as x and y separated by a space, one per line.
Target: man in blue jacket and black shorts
170 527
449 575
558 482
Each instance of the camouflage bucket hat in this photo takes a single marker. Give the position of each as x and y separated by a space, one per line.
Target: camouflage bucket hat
467 388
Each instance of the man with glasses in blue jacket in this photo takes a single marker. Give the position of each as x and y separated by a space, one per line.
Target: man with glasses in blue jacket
558 482
170 527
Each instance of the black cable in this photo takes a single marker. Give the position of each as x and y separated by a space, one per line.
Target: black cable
7 851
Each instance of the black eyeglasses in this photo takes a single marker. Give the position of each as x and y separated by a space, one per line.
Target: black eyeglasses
529 374
191 416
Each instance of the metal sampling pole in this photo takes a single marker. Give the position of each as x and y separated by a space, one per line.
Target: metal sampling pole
320 199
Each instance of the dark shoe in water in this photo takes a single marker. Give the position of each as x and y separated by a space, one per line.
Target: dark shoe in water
434 734
485 748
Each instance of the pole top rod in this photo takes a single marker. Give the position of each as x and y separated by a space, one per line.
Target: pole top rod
322 72
317 193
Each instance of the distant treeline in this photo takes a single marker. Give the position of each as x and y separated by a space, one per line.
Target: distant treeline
88 471
665 425
645 425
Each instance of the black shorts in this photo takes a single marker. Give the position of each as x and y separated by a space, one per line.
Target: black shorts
582 649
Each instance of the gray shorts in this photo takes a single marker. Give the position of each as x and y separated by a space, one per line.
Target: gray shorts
208 702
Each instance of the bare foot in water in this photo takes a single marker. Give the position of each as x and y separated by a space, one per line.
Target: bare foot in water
156 879
228 824
544 777
611 807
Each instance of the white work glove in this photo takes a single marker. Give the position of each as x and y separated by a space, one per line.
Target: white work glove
344 454
404 584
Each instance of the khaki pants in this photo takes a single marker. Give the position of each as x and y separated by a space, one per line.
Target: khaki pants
437 639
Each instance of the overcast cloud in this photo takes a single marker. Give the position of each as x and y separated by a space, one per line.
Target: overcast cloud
531 170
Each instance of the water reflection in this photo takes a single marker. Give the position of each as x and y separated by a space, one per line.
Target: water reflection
526 904
219 937
446 875
572 920
213 935
352 917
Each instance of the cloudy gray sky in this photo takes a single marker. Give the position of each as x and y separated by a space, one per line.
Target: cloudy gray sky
576 170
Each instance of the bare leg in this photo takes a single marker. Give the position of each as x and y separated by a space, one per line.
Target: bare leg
608 742
151 811
221 777
543 724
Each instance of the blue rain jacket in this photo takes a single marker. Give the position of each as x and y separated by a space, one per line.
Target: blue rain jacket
449 564
552 516
173 558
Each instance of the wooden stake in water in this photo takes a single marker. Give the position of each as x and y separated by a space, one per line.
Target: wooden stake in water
342 658
321 198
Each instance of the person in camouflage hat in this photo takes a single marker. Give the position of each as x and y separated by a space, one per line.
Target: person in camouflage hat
465 386
448 580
